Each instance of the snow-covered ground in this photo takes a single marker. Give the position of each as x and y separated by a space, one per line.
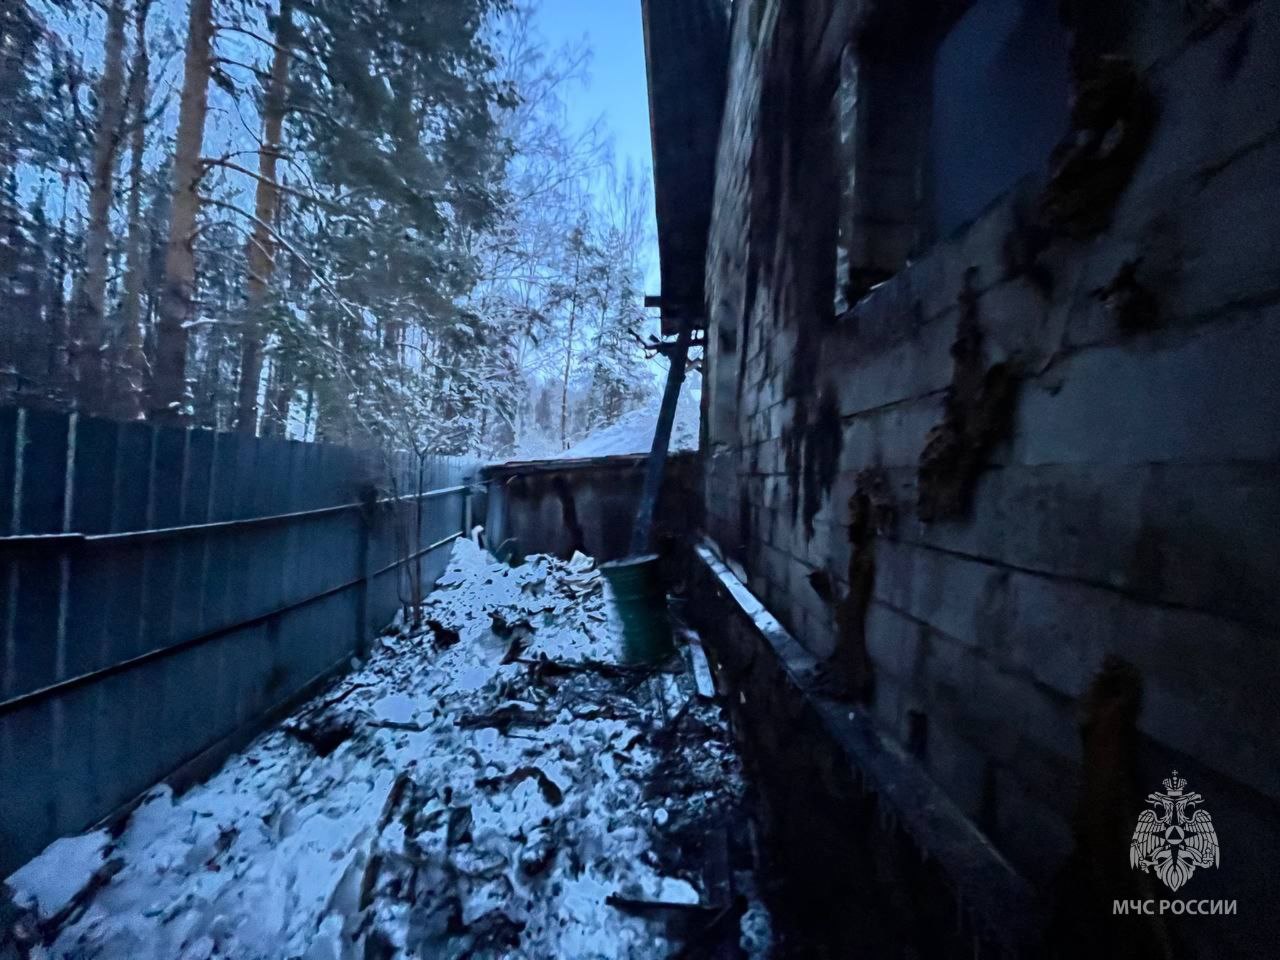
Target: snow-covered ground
493 786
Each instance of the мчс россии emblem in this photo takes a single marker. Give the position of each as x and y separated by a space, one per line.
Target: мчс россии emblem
1174 837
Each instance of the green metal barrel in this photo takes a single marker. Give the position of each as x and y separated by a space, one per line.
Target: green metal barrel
641 602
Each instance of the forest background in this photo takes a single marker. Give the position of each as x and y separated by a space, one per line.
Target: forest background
366 221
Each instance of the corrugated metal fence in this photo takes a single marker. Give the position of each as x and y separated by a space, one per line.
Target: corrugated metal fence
163 590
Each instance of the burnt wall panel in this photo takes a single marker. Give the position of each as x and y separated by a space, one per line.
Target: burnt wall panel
587 505
1046 443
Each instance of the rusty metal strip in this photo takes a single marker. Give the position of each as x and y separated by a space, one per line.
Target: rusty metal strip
52 541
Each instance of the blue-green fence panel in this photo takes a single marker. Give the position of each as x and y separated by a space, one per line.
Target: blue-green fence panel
162 590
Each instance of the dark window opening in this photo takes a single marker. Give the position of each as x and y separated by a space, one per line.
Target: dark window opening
1001 85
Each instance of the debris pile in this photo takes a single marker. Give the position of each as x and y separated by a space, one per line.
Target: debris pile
495 784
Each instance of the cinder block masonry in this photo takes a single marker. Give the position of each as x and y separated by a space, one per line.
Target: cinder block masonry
1062 366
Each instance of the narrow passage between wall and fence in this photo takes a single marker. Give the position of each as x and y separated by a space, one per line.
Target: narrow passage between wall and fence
162 591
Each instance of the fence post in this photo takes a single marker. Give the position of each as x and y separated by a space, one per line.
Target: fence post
368 517
468 520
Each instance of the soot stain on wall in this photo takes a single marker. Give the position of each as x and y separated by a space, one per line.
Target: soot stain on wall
823 440
1129 301
1112 119
569 509
978 415
1097 872
1023 247
872 513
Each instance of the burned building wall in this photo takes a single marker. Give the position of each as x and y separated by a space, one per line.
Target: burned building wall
1062 413
562 506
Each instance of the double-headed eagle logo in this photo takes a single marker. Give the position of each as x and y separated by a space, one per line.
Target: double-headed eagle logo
1174 837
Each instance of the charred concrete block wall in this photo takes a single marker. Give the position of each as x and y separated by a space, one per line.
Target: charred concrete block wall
865 856
1045 445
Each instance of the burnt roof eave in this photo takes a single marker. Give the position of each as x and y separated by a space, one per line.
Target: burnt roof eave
612 461
687 61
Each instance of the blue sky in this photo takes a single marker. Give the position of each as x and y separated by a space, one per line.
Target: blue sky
618 88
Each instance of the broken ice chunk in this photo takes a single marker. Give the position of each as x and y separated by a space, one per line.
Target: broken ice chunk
395 708
51 880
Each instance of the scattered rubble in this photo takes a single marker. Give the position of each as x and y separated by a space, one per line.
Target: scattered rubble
492 786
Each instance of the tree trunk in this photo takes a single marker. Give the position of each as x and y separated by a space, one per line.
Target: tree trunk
275 418
91 296
568 356
13 248
568 366
132 361
306 415
56 316
169 385
261 250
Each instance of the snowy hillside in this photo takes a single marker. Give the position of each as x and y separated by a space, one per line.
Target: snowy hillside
633 433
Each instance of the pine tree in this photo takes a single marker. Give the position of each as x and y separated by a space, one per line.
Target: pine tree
130 359
169 399
393 264
261 248
89 302
396 108
19 33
